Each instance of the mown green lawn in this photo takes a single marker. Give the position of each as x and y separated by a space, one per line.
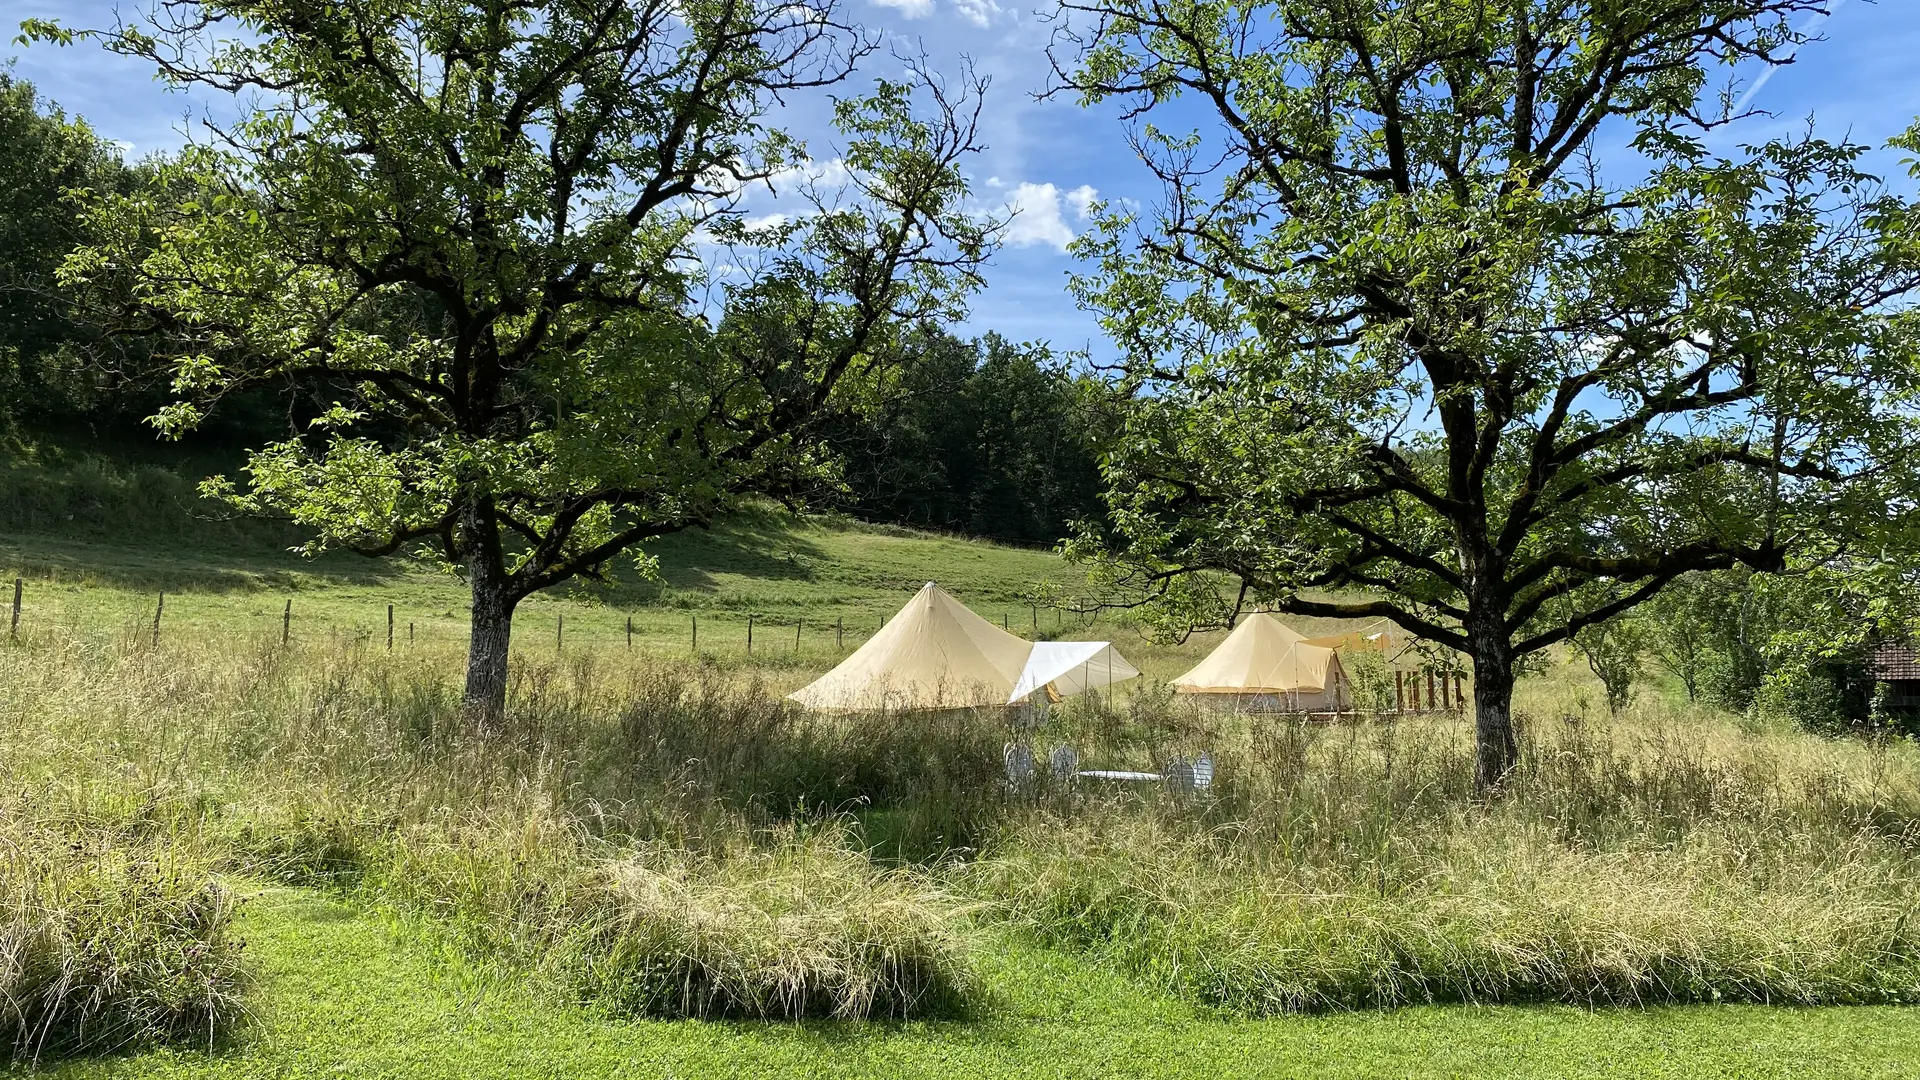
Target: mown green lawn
339 995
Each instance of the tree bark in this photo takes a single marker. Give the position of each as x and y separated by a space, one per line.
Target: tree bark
1496 753
485 699
486 695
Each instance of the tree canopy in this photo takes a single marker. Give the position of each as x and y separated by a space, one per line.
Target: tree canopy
506 242
1473 316
52 164
983 437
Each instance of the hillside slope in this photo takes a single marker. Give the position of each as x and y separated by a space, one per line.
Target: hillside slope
98 541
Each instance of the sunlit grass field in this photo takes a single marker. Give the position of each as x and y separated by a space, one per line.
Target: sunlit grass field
812 588
343 880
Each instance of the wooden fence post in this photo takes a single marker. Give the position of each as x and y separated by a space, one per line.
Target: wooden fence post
839 632
158 608
409 633
18 587
286 623
1446 699
1459 692
559 630
749 635
796 635
696 633
1399 691
1036 617
1429 689
629 633
389 627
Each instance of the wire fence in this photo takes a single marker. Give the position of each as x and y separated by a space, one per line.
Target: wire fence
553 626
813 640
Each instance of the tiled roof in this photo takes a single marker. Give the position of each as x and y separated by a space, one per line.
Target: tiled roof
1895 662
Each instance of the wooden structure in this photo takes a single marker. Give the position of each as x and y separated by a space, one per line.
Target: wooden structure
1897 666
1406 691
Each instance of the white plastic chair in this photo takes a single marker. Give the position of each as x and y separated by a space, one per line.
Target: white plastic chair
1019 759
1064 762
1203 772
1181 775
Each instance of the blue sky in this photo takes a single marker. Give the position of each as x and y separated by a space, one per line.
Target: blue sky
1045 158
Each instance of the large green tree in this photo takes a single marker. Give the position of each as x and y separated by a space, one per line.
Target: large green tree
1450 315
505 243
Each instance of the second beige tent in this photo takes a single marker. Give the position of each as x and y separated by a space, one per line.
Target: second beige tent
1382 638
1265 662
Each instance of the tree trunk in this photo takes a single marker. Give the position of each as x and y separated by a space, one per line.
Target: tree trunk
492 631
1496 753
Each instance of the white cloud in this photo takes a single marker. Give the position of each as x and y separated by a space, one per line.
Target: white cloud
764 221
912 9
1082 199
1036 217
980 13
824 175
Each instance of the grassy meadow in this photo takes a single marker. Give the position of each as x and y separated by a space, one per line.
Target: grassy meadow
222 856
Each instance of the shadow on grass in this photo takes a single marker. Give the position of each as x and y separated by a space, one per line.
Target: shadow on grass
148 563
756 544
760 543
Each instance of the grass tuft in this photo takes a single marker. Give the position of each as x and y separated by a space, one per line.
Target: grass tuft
104 945
796 925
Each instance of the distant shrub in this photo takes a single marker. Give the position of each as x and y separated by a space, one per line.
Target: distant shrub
106 946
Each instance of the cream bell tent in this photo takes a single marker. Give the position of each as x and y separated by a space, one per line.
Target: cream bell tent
936 654
1268 662
1064 668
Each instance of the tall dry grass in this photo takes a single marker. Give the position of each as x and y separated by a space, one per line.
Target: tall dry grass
671 839
628 833
792 923
1664 856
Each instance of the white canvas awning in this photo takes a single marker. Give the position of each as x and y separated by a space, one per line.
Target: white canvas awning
1071 667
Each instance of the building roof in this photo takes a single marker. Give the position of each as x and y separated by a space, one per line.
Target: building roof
1894 663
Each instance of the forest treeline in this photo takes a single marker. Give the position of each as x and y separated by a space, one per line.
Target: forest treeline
985 437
